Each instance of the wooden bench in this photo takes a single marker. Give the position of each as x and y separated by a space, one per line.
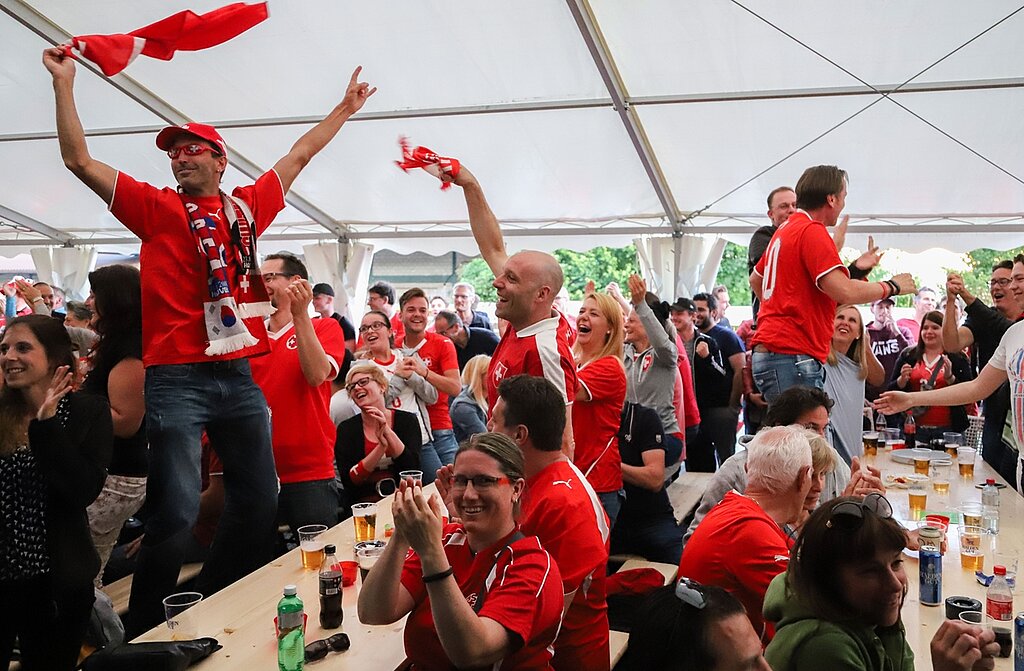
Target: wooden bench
120 590
685 493
617 641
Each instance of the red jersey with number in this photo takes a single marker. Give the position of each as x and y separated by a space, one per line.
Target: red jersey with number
522 591
438 355
174 272
563 510
739 548
595 423
301 428
796 316
540 350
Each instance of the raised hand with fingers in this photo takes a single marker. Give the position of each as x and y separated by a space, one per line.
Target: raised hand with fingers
357 92
300 295
637 289
891 402
58 64
59 387
871 258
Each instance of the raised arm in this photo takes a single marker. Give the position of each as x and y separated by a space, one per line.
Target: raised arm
313 360
988 381
486 229
665 353
317 137
96 175
842 289
954 336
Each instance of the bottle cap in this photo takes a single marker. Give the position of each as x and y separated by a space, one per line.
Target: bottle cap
999 570
330 549
990 481
290 590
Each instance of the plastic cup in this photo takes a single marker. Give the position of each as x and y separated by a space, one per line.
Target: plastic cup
965 458
367 557
940 474
953 438
870 443
972 555
415 476
311 546
180 620
971 513
349 569
973 617
918 499
931 525
364 516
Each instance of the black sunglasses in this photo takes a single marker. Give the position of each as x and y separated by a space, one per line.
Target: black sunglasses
317 650
849 515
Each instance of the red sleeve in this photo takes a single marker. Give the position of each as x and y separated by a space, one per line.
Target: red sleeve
516 596
449 359
818 252
759 267
135 203
332 339
265 198
605 379
412 577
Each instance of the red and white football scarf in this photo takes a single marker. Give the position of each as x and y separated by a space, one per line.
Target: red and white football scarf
184 31
421 157
228 306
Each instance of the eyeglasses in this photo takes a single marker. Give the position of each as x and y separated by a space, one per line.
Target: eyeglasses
317 650
375 326
1001 282
479 481
352 386
269 277
690 592
192 150
849 515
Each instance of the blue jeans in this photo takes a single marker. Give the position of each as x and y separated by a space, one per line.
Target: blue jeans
182 400
438 452
775 373
612 504
311 502
655 538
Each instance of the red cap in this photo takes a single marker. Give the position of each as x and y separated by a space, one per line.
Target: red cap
999 570
168 136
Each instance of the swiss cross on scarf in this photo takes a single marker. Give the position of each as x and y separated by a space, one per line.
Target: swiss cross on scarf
228 306
184 31
421 157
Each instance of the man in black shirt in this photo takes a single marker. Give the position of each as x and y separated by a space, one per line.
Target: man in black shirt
469 341
323 303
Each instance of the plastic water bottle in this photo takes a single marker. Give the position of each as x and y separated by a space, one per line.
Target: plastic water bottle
331 613
999 610
990 506
290 641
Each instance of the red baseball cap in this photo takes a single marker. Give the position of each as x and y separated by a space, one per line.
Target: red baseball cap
168 136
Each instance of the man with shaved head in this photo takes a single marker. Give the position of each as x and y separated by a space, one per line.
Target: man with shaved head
537 340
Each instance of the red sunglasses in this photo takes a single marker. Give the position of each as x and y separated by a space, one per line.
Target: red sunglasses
192 150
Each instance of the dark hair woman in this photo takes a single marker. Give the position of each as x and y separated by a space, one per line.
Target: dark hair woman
54 450
118 375
478 593
925 366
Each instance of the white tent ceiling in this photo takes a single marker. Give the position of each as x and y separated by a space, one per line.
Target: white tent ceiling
588 121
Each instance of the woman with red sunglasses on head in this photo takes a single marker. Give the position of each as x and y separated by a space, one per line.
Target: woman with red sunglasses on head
838 605
478 593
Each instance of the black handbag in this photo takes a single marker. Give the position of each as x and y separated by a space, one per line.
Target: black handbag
154 656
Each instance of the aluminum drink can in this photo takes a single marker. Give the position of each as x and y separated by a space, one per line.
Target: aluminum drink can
931 576
1018 642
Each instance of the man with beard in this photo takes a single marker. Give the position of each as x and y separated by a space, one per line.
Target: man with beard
983 329
305 355
718 391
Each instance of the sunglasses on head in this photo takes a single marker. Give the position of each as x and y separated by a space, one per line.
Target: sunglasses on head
318 649
690 592
192 150
849 515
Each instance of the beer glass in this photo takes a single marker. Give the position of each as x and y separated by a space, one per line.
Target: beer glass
918 499
972 555
965 457
870 443
940 476
364 516
311 546
971 513
180 620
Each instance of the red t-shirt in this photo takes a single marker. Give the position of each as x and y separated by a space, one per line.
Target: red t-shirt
174 273
563 511
541 350
691 412
595 423
740 549
935 415
301 427
438 355
523 594
796 316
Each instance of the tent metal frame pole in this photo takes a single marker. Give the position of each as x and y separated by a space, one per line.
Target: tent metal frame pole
590 31
27 15
28 222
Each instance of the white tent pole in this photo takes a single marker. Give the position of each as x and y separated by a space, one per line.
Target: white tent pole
28 222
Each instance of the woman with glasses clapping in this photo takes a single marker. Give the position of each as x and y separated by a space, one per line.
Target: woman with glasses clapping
838 606
479 594
377 444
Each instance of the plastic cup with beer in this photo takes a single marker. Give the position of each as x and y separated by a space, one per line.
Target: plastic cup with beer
870 443
965 458
311 545
893 440
918 498
932 532
180 620
364 516
971 512
367 556
922 460
940 474
972 554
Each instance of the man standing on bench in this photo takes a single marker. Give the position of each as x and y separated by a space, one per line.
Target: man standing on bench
203 303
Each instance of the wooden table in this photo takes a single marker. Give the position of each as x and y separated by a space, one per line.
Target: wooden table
922 621
241 616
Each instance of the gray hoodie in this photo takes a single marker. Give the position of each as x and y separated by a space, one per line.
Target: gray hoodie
651 374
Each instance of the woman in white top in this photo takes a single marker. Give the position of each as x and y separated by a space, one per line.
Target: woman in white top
850 363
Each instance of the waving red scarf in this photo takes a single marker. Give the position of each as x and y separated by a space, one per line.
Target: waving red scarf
184 31
421 157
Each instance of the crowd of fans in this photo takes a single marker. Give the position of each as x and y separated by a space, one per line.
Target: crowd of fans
225 397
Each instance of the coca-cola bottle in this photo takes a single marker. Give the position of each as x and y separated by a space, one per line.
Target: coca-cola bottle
331 613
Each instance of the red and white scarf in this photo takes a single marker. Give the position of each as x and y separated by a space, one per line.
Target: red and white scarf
421 157
228 306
